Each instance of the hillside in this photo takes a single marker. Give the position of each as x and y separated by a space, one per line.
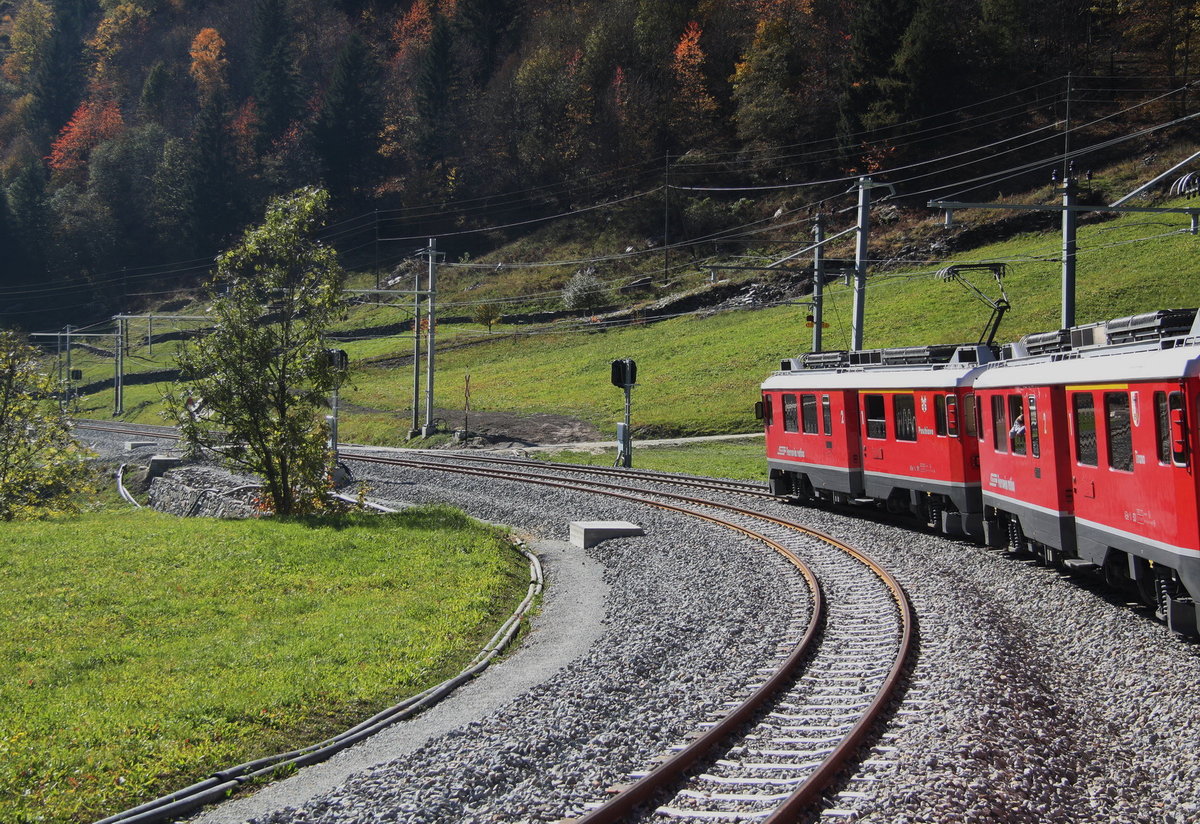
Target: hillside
138 137
699 366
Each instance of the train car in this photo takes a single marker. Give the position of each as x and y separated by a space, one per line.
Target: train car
889 426
1087 453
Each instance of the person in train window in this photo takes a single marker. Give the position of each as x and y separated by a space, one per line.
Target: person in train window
1016 435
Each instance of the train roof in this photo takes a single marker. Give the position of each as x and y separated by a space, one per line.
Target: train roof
930 367
1152 345
1165 360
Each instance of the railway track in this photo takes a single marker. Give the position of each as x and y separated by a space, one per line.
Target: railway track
774 753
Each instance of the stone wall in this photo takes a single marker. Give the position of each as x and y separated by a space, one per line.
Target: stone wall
203 491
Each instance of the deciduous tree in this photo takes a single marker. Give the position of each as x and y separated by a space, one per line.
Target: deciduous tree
93 122
256 386
209 63
41 466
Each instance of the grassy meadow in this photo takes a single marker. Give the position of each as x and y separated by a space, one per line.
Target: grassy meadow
141 651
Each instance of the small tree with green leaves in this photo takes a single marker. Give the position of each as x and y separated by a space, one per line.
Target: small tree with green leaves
42 468
486 314
256 387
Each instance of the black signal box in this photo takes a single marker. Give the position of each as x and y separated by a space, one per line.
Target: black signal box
624 372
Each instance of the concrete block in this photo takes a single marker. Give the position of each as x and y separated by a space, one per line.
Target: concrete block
130 446
589 533
159 464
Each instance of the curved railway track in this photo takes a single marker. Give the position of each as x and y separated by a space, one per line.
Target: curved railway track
773 754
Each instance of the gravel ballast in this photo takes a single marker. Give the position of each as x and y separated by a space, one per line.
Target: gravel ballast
1034 698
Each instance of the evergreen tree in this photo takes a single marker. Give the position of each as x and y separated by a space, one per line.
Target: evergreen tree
9 274
57 80
486 29
30 220
119 183
172 201
929 55
347 130
875 30
434 87
276 77
154 92
213 170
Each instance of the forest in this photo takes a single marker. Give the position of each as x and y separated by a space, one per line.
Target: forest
139 137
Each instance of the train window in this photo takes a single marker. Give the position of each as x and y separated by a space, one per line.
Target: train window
1162 427
952 415
826 415
1035 445
1085 428
972 412
876 416
1169 428
1120 435
1016 424
905 411
939 414
1179 450
999 424
808 414
791 421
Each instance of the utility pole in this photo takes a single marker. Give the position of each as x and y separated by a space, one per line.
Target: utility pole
119 368
1069 248
415 429
67 392
1066 169
666 218
429 320
860 262
818 279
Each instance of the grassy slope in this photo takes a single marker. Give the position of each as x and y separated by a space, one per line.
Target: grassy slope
141 652
697 375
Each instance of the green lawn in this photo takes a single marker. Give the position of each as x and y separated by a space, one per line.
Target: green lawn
141 652
740 460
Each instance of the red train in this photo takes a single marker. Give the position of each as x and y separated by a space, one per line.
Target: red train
1074 445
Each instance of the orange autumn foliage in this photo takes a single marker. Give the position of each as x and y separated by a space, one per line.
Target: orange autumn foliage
689 75
208 62
93 122
412 32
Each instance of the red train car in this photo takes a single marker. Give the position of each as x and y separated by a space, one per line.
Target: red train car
893 426
1087 454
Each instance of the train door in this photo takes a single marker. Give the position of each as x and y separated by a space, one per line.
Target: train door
1133 484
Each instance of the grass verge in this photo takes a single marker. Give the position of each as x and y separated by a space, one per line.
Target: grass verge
739 460
142 652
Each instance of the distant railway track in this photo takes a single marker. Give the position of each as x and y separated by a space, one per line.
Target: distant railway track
774 753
